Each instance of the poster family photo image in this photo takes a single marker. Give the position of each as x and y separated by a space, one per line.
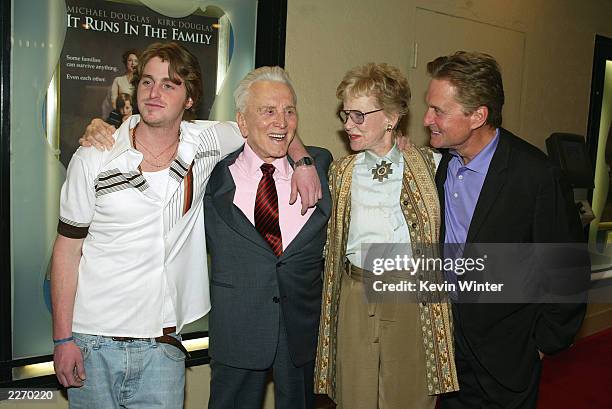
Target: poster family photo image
100 54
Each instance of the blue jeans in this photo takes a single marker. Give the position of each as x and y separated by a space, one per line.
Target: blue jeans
129 374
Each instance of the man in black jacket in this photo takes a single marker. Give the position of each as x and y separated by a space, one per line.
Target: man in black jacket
496 188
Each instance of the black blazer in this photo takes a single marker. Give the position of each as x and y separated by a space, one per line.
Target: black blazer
523 200
252 289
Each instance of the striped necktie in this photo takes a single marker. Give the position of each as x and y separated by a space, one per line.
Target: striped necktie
266 210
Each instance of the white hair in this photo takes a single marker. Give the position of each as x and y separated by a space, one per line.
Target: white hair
276 74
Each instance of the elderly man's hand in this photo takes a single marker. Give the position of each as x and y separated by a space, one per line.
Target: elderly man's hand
402 141
305 181
98 134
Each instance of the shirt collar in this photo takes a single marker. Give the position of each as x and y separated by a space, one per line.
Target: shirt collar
252 163
123 140
480 162
123 137
371 160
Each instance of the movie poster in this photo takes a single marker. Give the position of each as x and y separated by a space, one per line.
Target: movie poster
103 39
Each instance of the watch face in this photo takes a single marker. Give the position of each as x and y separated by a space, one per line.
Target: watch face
304 161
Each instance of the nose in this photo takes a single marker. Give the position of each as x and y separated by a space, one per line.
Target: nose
280 119
428 117
154 91
349 124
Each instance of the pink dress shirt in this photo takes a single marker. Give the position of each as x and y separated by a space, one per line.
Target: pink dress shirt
246 173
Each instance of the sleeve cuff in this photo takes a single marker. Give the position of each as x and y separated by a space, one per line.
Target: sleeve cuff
71 231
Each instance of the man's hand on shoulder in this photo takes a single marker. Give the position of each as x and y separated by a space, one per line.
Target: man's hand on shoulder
98 134
68 364
403 142
305 181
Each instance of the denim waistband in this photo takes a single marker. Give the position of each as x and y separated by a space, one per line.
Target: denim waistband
95 341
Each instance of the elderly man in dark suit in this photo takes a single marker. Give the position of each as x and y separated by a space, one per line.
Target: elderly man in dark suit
266 256
497 188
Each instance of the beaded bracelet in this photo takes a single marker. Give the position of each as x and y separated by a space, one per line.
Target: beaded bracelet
57 342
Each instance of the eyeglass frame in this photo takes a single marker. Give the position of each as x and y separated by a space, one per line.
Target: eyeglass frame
347 112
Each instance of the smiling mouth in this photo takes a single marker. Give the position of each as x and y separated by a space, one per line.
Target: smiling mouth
277 136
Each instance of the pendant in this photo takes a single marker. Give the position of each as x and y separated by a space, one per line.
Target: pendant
382 171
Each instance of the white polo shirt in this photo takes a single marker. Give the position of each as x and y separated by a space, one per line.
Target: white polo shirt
141 249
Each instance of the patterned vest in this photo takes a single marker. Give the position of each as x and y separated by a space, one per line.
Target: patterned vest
421 209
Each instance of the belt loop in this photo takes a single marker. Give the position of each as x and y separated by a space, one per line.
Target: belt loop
95 342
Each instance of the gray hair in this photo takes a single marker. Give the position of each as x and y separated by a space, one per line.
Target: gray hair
276 74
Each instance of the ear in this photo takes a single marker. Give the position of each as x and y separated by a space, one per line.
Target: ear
479 117
393 119
242 125
188 103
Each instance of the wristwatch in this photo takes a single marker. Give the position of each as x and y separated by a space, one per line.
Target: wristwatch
305 161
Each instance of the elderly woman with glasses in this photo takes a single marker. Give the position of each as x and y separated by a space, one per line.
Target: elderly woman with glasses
384 352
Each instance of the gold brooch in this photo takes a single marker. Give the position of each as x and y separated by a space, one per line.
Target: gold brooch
382 171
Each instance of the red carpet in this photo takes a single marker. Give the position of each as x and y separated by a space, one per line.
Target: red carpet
580 377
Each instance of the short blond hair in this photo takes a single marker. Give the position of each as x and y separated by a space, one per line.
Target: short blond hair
382 81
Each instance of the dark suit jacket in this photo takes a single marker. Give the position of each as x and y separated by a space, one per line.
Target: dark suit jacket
252 289
523 200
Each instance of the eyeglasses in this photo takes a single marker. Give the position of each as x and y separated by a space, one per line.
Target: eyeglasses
356 116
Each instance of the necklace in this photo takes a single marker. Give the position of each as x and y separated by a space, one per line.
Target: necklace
155 164
142 145
163 164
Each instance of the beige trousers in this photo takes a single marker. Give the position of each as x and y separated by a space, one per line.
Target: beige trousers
380 360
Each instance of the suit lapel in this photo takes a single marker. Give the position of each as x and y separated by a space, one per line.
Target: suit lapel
494 182
315 223
317 220
440 179
223 192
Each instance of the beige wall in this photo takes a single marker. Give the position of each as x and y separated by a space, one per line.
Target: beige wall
326 38
597 318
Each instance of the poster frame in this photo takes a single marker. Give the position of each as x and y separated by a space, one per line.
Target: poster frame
269 50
